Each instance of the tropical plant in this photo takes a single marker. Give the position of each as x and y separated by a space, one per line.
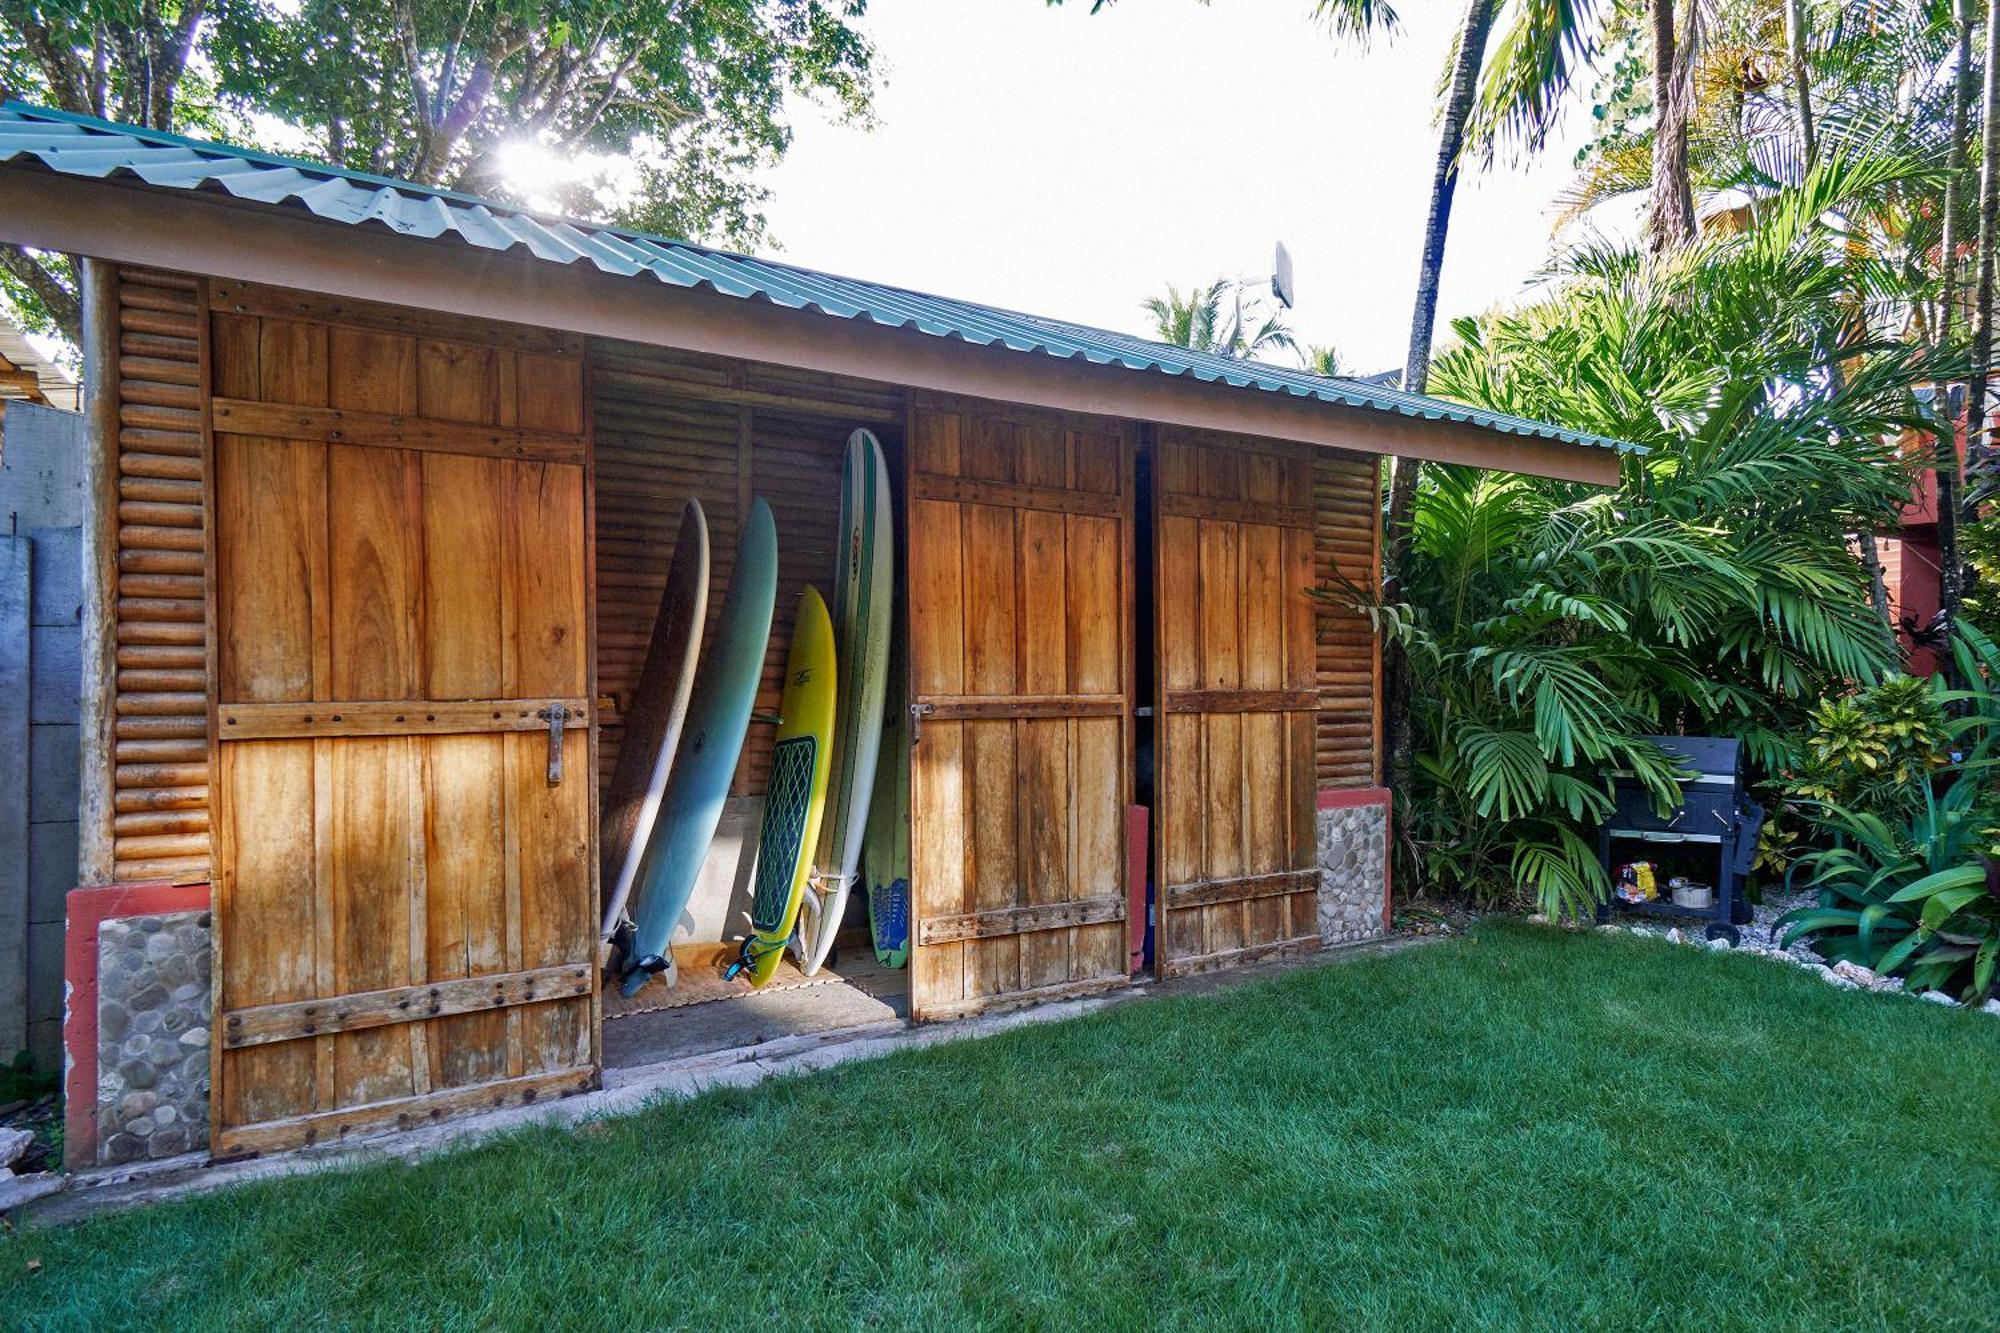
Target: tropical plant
1874 750
1324 360
1714 590
1217 318
1919 899
1916 893
689 97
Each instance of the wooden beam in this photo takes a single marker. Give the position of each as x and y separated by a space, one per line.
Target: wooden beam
1049 499
1005 1000
985 707
1232 958
401 1113
1242 888
97 794
402 1004
1242 701
334 425
1237 511
1020 920
200 233
390 717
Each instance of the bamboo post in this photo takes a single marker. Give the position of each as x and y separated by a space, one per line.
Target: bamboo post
97 712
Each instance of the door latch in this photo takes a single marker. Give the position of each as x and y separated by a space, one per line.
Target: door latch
918 712
558 716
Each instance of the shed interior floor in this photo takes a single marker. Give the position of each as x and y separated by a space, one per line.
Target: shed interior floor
862 993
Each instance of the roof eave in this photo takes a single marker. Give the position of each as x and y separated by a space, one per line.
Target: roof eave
204 232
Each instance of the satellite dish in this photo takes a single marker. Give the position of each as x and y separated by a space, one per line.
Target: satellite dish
1281 276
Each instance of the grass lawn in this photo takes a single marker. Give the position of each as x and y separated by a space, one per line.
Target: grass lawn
1521 1128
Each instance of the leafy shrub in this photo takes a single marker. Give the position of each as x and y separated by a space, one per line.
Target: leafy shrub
1875 748
1915 894
1920 899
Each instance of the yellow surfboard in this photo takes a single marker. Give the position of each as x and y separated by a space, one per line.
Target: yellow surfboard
796 798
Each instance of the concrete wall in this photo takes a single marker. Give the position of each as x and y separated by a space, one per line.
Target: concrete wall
41 597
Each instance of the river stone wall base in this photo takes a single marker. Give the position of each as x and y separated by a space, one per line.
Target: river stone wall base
152 1036
1353 872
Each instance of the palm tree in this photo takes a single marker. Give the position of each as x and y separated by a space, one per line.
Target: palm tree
1976 413
1539 56
1323 360
1555 626
1216 318
1468 55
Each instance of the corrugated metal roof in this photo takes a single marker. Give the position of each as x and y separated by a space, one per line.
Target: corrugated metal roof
82 146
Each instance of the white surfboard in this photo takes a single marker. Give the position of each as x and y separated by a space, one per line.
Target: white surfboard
863 612
653 724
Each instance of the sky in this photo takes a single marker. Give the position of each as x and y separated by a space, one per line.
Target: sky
1072 164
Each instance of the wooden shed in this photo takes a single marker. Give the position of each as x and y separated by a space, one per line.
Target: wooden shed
384 478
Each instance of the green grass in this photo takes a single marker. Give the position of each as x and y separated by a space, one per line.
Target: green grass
1523 1128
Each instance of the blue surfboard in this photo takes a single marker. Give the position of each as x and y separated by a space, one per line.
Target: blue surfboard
711 740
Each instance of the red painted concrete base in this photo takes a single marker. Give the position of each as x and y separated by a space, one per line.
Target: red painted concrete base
85 911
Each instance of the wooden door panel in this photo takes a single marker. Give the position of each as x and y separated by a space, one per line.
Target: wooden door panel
1019 537
405 889
1236 843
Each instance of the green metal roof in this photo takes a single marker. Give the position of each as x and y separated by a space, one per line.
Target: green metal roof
82 146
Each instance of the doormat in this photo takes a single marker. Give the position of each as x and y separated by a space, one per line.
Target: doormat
701 967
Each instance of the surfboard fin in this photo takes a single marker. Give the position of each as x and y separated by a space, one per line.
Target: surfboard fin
644 970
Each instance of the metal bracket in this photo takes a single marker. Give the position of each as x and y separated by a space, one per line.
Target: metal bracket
558 716
918 712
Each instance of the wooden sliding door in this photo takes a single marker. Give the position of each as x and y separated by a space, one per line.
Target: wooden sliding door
404 896
1237 856
1020 532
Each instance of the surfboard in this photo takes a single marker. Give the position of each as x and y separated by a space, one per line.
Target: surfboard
863 612
718 715
795 799
653 723
885 857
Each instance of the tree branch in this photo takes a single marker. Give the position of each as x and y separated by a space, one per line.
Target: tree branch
172 63
63 305
68 83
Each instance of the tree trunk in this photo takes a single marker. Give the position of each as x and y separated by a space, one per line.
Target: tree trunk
1976 415
1795 46
1397 685
1795 43
1670 213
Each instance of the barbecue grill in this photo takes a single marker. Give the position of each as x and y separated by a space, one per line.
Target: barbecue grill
1714 809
